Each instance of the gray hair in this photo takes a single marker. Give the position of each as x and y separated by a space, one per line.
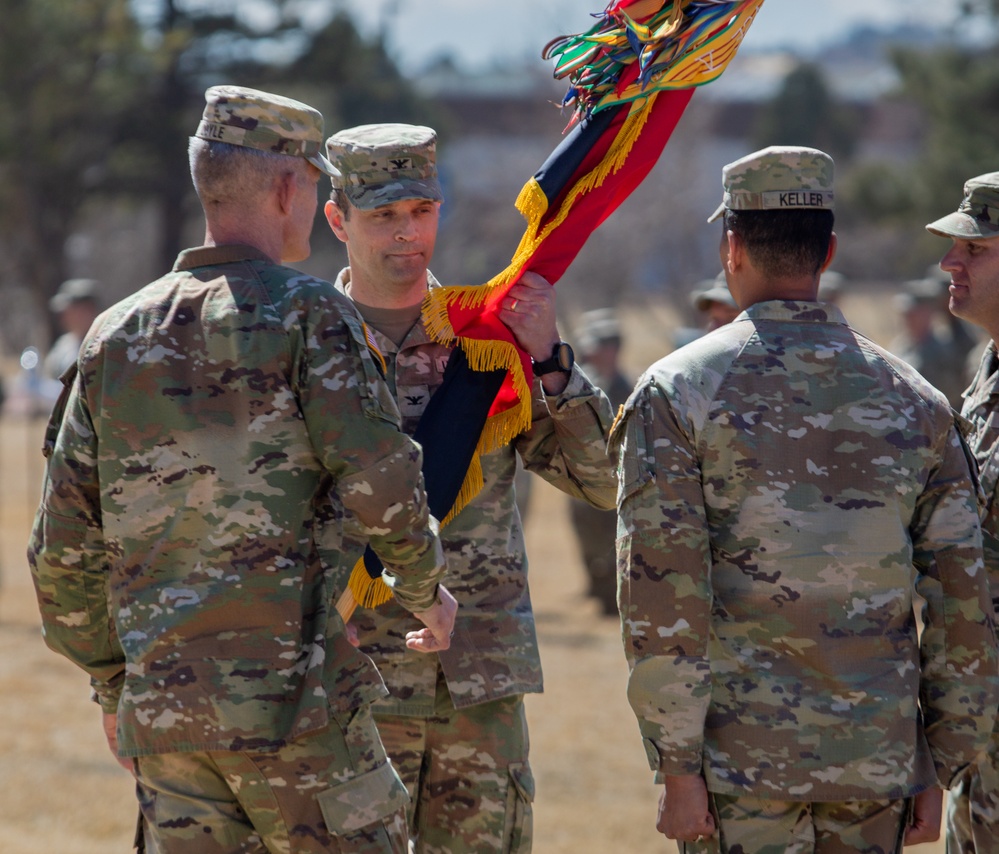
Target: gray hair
224 173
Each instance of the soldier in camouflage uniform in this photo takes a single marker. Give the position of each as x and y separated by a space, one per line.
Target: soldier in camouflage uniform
599 342
973 266
786 489
217 417
454 724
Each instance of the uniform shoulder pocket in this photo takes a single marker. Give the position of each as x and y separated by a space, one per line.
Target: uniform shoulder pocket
632 446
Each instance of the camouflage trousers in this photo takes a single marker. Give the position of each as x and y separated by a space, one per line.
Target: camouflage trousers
973 806
330 791
756 826
467 775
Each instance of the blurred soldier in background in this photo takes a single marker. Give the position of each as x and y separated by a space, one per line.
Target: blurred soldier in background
37 386
831 286
75 307
972 265
598 340
925 343
715 304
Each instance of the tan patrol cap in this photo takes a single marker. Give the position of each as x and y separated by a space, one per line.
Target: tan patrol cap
254 119
781 177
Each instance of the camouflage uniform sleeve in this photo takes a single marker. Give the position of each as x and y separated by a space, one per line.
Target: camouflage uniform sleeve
959 685
355 425
567 441
66 551
664 567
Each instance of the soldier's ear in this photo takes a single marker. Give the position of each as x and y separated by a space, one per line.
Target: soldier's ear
833 244
335 217
286 186
734 254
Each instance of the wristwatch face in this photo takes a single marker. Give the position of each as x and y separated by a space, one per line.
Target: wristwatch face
565 357
561 359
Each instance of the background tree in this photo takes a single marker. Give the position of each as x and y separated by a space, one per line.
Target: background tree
956 89
194 45
267 46
804 112
98 99
980 7
353 80
72 73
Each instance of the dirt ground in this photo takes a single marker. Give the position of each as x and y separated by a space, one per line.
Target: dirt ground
62 791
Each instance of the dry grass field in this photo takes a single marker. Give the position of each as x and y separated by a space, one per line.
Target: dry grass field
62 791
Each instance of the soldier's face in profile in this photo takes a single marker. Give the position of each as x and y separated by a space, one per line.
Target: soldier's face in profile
974 288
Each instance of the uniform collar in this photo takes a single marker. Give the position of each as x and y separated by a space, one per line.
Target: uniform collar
417 335
985 385
799 311
210 256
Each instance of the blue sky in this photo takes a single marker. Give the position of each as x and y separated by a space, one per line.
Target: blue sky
480 33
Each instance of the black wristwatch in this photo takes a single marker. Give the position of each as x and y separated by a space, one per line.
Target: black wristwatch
562 359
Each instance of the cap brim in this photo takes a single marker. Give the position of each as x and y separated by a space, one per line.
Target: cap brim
718 214
373 196
323 165
962 226
704 299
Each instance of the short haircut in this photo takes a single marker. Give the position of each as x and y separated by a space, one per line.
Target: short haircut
784 244
339 197
225 174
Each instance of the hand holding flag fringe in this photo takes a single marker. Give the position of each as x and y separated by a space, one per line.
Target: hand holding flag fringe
631 77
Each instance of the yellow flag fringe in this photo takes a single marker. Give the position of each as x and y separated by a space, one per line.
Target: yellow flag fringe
362 590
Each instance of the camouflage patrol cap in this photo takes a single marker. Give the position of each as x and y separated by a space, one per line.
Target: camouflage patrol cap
713 290
598 326
920 292
73 291
977 216
254 119
778 178
385 163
